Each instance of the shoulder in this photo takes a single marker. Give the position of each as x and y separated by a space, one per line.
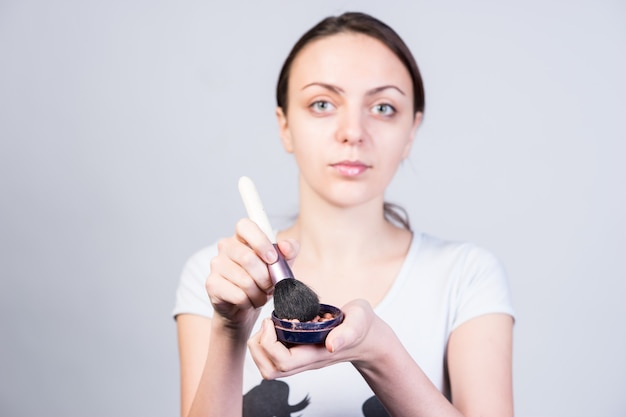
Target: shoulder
462 267
191 295
474 278
464 254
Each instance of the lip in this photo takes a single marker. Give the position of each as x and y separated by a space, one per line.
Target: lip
350 168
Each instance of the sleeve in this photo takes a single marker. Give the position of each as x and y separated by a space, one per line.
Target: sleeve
482 287
191 295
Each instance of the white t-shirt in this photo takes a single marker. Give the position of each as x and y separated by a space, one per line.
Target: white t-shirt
440 286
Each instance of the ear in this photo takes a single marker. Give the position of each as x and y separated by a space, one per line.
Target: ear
283 130
417 121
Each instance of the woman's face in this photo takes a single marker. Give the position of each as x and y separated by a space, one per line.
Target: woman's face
350 119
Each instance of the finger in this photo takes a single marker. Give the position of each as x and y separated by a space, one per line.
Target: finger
289 248
283 361
247 260
251 234
226 276
258 351
225 296
274 359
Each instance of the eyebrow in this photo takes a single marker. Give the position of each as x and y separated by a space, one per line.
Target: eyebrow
339 90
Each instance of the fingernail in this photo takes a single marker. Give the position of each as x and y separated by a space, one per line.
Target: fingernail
336 345
270 256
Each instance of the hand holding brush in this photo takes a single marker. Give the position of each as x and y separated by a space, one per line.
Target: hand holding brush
292 298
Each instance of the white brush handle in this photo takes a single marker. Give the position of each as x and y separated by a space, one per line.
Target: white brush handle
280 269
254 207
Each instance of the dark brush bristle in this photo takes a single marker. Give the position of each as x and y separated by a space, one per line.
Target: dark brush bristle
294 300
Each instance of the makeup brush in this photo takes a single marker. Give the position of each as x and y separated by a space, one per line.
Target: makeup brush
292 298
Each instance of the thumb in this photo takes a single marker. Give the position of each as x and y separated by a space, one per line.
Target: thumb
358 318
289 248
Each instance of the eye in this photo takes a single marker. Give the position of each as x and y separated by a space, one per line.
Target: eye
384 109
321 106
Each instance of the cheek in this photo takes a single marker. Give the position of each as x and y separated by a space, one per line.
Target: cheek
303 148
396 143
310 135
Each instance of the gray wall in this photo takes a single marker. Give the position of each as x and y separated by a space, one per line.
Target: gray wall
124 126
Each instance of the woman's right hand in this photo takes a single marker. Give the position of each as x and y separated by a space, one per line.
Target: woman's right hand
239 282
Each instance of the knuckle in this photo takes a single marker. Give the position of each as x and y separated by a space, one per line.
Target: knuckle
240 298
212 288
209 285
222 244
249 260
214 264
242 225
269 374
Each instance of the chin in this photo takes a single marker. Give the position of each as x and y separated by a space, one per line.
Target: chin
352 196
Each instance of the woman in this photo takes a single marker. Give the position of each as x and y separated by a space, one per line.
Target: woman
428 324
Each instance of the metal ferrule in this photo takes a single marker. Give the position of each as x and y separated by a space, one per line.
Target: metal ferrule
280 269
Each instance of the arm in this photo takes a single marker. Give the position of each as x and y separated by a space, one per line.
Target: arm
398 381
211 359
372 347
193 346
480 366
212 351
479 363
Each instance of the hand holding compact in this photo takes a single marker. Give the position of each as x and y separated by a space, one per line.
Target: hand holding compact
357 339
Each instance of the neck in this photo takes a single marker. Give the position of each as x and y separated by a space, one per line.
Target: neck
334 235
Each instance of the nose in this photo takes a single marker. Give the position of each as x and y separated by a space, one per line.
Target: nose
351 129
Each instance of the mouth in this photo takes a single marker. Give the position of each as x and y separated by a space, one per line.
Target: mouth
350 168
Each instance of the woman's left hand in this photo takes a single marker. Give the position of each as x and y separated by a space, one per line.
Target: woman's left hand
353 340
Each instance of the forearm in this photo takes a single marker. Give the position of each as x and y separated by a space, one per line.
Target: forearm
220 389
398 381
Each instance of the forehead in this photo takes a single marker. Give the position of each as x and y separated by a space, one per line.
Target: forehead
348 58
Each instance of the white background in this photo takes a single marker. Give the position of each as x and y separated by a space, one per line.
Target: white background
124 126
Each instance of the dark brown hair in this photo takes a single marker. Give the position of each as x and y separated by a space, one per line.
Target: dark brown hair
354 22
361 23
